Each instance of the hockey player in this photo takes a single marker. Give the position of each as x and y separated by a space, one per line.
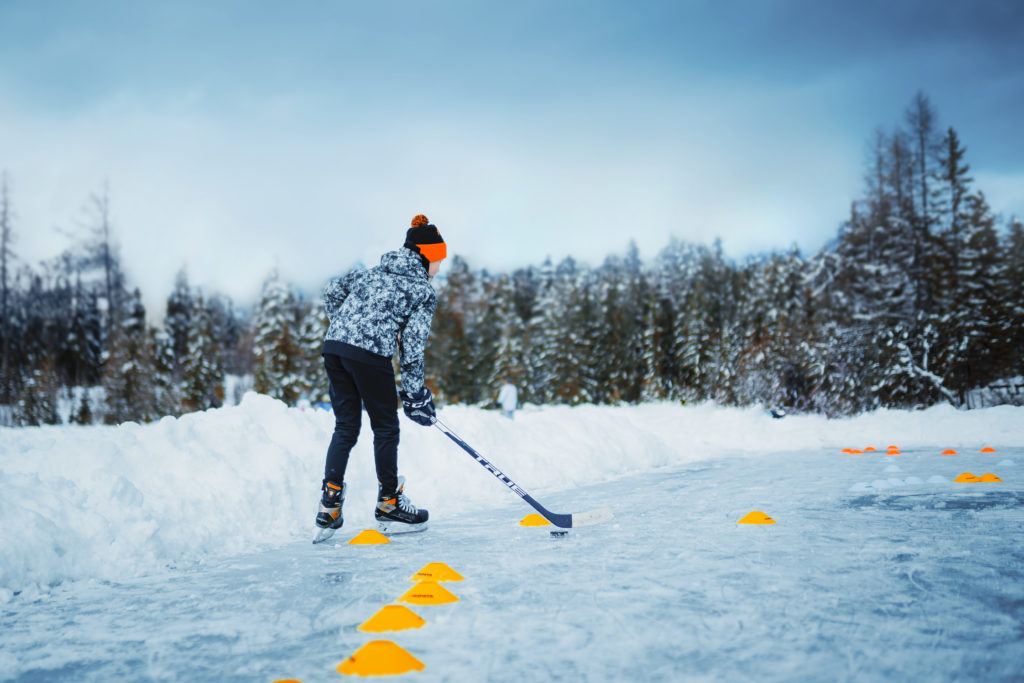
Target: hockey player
372 313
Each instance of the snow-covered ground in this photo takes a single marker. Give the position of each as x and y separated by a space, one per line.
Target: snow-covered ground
180 550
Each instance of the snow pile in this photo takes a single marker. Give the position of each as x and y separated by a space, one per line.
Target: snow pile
113 502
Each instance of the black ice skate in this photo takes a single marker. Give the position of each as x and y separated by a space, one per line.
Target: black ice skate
395 514
328 517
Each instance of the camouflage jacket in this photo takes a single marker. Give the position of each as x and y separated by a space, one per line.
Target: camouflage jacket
383 309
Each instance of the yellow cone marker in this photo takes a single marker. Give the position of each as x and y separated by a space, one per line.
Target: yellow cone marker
534 520
379 658
756 517
392 618
428 593
369 537
949 451
967 478
436 571
988 449
988 477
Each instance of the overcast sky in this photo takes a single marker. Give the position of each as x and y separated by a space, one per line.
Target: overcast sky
241 136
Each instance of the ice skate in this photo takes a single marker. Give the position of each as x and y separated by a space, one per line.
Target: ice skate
395 513
328 517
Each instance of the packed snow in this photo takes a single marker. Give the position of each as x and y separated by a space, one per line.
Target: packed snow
181 549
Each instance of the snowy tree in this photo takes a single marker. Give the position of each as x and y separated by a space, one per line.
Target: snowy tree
277 350
177 320
507 361
37 404
128 369
450 361
82 351
166 387
202 384
312 328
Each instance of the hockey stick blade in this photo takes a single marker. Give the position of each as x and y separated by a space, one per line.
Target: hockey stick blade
564 521
598 516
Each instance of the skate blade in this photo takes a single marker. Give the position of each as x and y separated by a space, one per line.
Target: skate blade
323 534
392 528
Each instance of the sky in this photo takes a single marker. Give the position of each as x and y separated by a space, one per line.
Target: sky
236 137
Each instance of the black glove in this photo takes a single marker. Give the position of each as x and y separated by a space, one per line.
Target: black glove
418 406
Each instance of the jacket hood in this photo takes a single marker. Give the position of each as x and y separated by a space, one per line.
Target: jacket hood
403 262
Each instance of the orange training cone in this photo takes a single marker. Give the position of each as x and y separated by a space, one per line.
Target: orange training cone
380 658
756 517
988 449
428 593
989 478
870 449
949 451
436 571
392 618
967 478
369 537
534 520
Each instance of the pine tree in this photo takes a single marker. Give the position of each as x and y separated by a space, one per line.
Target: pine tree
507 361
277 352
1011 317
37 404
83 345
167 389
202 384
312 328
128 369
177 320
449 354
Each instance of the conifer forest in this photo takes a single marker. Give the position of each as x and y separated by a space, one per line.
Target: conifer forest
918 300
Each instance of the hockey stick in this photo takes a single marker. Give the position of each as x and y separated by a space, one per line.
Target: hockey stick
565 521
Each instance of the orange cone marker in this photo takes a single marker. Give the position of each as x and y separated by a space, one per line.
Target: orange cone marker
436 571
369 537
380 658
392 618
428 593
756 517
534 520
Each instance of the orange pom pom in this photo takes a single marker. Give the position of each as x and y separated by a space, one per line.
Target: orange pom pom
419 221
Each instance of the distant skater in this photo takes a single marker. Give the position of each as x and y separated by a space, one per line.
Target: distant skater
508 397
373 313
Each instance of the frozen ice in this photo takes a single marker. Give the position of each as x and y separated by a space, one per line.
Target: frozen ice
181 550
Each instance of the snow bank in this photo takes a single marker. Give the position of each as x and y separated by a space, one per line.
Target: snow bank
112 502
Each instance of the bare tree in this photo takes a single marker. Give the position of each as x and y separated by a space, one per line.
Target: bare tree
6 257
104 254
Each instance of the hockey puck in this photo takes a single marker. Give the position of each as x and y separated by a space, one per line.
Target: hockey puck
560 532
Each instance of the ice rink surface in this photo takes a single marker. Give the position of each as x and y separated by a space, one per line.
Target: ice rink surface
878 568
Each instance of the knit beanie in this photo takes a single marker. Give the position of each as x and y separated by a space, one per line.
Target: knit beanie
425 240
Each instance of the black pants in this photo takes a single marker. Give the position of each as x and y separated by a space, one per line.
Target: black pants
353 385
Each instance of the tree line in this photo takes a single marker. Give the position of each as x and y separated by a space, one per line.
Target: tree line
916 301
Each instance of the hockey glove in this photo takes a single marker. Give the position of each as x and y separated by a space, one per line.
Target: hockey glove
418 406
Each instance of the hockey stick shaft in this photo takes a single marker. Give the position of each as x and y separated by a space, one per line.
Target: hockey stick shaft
560 520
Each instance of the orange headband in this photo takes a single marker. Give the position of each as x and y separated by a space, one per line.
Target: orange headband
433 252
